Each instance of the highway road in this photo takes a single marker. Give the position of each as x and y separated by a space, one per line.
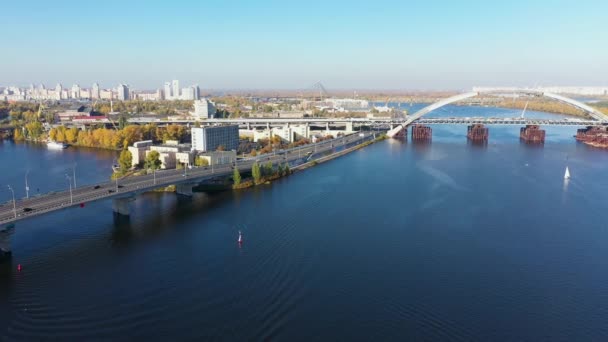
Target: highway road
130 186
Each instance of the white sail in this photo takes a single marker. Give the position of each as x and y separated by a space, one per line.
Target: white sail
567 174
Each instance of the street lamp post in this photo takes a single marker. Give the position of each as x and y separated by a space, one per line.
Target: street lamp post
27 187
14 203
70 184
74 174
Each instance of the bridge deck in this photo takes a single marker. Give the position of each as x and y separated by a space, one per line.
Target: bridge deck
131 186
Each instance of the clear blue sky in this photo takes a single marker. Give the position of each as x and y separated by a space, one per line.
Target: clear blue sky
380 44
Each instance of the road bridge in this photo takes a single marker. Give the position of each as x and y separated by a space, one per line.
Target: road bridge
123 190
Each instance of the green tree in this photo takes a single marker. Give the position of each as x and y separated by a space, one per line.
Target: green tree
34 129
286 169
236 176
153 161
200 161
268 169
280 170
125 161
256 173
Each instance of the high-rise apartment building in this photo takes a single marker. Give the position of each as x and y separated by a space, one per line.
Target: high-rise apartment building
205 139
197 92
168 91
75 94
175 86
95 91
187 93
122 92
58 92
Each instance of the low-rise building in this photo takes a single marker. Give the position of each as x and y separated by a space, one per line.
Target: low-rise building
218 157
170 153
185 157
138 151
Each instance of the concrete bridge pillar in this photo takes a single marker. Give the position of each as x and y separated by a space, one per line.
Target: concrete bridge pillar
349 127
5 243
248 127
327 126
268 126
120 206
184 189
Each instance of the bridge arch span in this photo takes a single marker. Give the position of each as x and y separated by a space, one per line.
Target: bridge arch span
597 115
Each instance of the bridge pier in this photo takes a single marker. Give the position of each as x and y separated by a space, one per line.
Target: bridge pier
477 133
532 134
121 206
349 127
421 133
248 126
5 243
184 189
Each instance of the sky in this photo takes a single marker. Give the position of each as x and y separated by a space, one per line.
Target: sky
268 44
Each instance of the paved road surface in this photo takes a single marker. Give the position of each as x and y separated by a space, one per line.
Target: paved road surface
132 185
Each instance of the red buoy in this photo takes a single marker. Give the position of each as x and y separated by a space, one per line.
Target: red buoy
19 267
82 205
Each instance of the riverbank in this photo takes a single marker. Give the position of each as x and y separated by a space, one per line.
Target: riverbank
249 182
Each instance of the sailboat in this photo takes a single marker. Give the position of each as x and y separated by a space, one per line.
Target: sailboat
567 174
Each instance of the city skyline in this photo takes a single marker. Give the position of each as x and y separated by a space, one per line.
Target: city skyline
272 45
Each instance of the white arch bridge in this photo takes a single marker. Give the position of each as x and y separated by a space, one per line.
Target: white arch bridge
596 116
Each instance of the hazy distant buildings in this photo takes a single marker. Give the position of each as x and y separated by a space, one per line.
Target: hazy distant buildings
75 94
95 91
187 94
210 138
191 93
167 93
197 92
175 90
122 92
106 94
143 96
172 91
204 109
58 92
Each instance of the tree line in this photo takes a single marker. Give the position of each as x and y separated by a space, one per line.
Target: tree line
117 139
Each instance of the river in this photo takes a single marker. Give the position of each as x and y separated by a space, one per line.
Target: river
396 241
